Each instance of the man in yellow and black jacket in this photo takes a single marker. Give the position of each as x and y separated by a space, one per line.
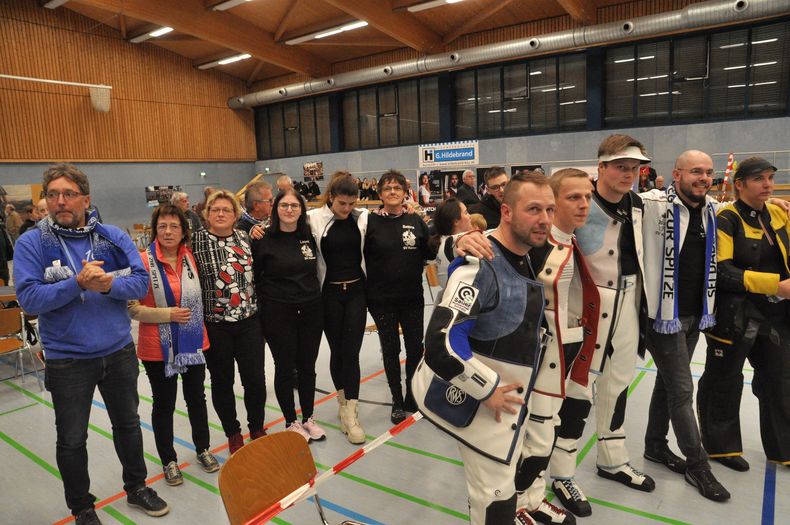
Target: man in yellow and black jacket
752 314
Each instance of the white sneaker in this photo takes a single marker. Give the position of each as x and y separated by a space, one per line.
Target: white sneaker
299 429
629 476
315 432
549 514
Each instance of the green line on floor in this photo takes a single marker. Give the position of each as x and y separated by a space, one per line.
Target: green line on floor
399 494
637 512
117 515
594 437
31 456
17 409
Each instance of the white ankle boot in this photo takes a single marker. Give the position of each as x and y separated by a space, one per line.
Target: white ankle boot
349 422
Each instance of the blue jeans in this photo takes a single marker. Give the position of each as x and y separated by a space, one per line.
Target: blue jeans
72 383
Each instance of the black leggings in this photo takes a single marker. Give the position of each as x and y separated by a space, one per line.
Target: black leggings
165 390
236 342
410 317
344 325
294 335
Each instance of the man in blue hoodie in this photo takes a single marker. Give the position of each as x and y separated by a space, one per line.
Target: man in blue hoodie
77 274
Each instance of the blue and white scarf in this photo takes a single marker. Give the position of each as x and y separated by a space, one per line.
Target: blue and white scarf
667 319
62 266
182 344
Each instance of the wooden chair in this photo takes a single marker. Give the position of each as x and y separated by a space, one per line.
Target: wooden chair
13 339
263 472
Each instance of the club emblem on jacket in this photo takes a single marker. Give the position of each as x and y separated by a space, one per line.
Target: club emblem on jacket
409 239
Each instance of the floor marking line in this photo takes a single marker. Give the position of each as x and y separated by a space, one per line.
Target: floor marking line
769 494
17 409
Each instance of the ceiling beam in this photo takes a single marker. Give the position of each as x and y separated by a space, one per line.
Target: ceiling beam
122 25
283 25
368 42
402 26
253 76
476 20
582 11
221 28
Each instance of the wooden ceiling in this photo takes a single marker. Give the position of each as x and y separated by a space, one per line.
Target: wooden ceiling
262 27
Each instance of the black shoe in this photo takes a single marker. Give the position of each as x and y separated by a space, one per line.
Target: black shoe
734 462
571 496
707 484
146 500
668 458
630 477
409 404
398 414
87 517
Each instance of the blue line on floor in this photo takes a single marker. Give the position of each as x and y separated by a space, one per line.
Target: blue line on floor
695 376
347 512
176 439
769 493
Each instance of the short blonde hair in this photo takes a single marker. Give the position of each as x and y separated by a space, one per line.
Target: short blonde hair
222 194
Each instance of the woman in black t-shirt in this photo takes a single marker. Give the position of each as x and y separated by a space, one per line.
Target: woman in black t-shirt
285 265
396 248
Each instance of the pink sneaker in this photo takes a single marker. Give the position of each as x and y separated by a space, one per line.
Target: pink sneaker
316 433
299 429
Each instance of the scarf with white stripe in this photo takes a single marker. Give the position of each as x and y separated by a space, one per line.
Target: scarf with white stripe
667 319
182 344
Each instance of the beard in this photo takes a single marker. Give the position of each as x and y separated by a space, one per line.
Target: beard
687 192
525 237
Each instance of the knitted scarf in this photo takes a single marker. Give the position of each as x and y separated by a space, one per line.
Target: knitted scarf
182 345
62 265
667 319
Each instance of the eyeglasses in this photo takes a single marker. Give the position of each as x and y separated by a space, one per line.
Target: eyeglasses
217 211
68 195
162 227
289 205
267 201
698 172
394 189
497 187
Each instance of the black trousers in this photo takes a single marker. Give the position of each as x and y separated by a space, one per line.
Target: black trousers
720 387
344 325
411 318
294 335
237 342
165 390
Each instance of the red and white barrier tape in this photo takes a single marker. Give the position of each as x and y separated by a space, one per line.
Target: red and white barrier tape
308 489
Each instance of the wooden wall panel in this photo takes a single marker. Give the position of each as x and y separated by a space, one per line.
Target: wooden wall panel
162 108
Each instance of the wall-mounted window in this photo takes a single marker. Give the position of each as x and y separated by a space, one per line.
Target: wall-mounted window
293 128
732 74
541 95
394 114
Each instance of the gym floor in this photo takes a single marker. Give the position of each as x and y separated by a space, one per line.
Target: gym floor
416 477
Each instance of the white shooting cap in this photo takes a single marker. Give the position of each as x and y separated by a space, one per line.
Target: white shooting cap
631 152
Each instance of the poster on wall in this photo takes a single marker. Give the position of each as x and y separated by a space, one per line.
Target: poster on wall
592 171
451 180
313 171
20 195
515 170
156 195
448 155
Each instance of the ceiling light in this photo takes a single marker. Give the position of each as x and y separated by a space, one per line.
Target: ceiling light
52 4
152 34
430 5
224 61
327 32
227 5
